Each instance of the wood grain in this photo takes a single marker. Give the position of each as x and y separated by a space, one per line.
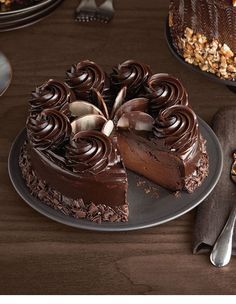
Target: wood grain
39 256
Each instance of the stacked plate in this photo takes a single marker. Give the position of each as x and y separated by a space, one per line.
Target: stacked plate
25 12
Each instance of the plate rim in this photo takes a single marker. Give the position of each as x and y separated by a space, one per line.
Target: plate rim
35 6
111 227
32 19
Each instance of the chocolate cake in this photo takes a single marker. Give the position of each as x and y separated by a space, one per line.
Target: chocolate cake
204 33
83 134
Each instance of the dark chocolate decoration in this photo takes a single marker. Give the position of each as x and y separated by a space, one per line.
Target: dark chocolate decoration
131 74
89 152
84 76
164 92
53 94
177 126
48 130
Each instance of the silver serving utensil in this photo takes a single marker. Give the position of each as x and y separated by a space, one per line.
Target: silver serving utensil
222 250
5 74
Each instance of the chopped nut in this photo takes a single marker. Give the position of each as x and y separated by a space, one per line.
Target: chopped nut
188 32
170 19
231 68
225 50
210 56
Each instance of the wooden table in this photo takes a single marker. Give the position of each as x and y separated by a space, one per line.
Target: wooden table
39 256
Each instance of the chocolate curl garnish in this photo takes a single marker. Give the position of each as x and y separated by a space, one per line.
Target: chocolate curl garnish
84 76
165 91
133 75
48 130
136 120
88 122
89 152
177 128
52 94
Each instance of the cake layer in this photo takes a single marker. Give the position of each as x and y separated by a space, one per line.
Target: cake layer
143 156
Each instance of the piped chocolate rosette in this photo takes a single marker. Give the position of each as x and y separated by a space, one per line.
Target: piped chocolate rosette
84 76
130 74
49 130
176 128
52 94
90 152
165 91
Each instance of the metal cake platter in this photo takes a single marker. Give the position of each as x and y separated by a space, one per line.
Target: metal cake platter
15 8
231 85
5 73
19 20
146 209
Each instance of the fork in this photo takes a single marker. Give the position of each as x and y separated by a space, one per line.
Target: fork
105 11
86 11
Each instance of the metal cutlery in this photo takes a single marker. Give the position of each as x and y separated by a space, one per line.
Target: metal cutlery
222 250
105 11
88 11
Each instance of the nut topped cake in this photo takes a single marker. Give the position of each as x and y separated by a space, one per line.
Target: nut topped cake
84 133
204 33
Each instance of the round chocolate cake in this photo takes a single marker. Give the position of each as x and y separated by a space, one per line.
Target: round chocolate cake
204 33
82 135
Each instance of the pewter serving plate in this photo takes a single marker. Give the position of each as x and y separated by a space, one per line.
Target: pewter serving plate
146 209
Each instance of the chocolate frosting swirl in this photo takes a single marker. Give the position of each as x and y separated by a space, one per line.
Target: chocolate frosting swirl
52 94
84 76
177 127
89 152
131 74
165 91
48 130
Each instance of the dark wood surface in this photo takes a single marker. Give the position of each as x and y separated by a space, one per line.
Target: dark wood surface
39 256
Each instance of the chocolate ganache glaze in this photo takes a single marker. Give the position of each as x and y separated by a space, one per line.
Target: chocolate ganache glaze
90 152
177 128
48 130
165 91
131 74
84 76
53 94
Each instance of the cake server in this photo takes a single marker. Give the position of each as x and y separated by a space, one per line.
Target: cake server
222 250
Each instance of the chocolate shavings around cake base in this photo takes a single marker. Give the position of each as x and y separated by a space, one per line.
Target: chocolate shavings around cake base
76 208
